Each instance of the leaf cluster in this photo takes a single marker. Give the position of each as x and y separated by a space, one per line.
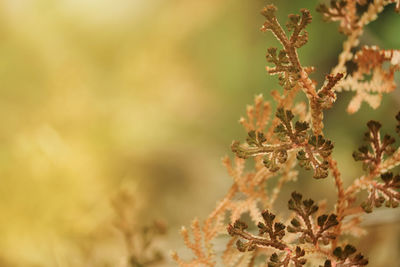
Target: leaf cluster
346 255
270 233
376 149
386 192
304 210
275 260
320 146
285 61
313 151
288 74
285 130
274 230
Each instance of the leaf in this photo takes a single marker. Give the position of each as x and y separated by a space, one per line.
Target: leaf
346 254
376 149
256 138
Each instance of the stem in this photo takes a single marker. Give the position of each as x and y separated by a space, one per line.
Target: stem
256 240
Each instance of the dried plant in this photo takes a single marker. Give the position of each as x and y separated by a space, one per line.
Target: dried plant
138 239
295 136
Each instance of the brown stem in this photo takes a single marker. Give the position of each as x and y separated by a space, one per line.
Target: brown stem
256 240
307 221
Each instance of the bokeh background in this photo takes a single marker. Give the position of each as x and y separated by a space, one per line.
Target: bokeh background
98 96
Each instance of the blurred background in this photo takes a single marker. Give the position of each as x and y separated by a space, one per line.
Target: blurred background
143 96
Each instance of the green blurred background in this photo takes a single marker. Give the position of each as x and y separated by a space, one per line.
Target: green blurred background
144 95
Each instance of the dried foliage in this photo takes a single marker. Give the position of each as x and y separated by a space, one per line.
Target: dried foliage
138 239
294 136
372 78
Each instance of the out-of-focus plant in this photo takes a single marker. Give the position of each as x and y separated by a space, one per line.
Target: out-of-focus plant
139 240
295 136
